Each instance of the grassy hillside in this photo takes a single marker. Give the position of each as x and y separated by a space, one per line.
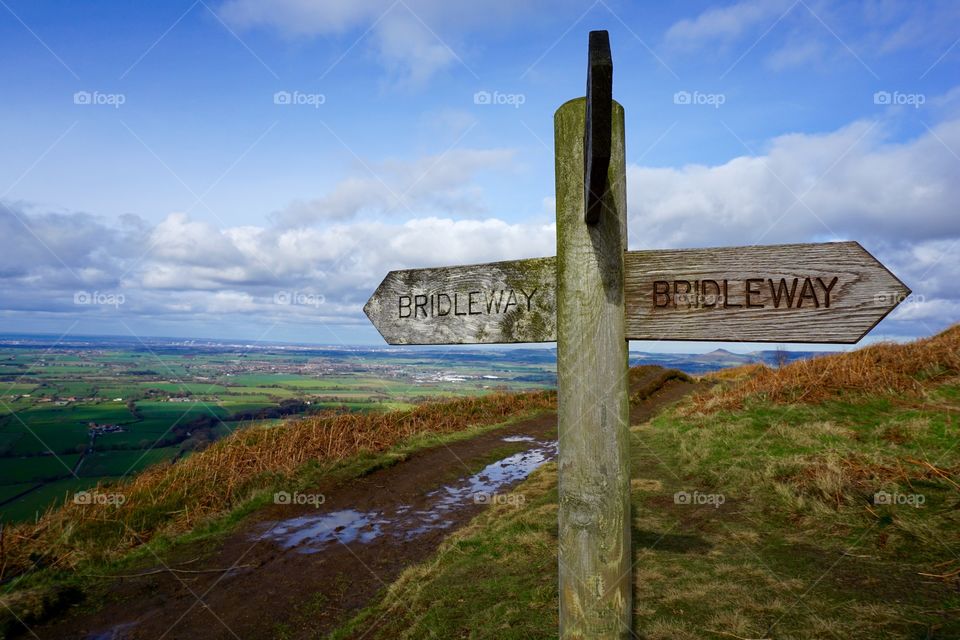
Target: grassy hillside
820 500
817 500
170 499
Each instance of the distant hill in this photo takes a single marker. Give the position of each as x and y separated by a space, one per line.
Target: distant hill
719 359
433 356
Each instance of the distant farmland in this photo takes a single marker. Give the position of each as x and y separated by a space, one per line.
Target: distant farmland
150 405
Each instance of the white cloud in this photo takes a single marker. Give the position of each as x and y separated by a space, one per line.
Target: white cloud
724 24
851 183
410 51
797 52
438 184
447 124
897 198
413 39
190 269
303 17
816 31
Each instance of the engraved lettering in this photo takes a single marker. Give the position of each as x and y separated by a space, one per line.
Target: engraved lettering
710 299
677 299
444 312
753 292
807 286
511 300
495 301
780 292
726 298
661 290
471 302
419 304
826 290
528 296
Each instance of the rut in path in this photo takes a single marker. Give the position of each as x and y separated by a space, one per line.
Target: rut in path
308 568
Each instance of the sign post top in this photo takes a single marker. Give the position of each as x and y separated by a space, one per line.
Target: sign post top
597 131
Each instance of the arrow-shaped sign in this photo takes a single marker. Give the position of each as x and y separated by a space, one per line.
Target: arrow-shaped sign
511 301
823 293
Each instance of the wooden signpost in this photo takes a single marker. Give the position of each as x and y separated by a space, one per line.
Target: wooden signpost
831 292
594 297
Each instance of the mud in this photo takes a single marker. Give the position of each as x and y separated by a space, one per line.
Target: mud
299 570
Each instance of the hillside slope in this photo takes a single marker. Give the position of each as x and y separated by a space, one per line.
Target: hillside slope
821 500
50 565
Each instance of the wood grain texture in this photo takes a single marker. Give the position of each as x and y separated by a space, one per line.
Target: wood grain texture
499 302
865 292
593 461
789 298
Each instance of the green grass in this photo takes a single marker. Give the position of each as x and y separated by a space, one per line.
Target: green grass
797 549
11 389
124 463
62 429
7 491
36 468
246 405
40 437
48 582
244 391
158 419
102 413
197 388
49 495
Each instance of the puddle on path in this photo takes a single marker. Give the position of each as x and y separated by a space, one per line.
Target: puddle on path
311 533
347 526
116 632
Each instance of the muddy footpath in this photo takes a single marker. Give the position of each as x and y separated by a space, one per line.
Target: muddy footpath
306 566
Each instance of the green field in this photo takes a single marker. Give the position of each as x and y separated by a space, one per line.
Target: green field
8 491
50 397
122 463
40 468
44 497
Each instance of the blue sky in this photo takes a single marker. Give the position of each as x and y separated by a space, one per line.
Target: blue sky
147 159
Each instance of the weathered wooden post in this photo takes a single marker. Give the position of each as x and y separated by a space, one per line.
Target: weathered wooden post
594 464
594 296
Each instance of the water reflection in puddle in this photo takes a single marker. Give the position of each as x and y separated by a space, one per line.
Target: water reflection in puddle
347 526
117 632
311 533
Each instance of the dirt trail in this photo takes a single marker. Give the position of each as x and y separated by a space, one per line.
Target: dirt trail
298 571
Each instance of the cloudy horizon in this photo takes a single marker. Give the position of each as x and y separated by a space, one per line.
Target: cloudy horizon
251 170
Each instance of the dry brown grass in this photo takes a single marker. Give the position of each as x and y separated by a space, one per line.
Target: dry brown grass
646 379
736 374
886 368
846 478
175 498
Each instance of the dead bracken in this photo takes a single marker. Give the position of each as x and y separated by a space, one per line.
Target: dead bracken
879 368
175 498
